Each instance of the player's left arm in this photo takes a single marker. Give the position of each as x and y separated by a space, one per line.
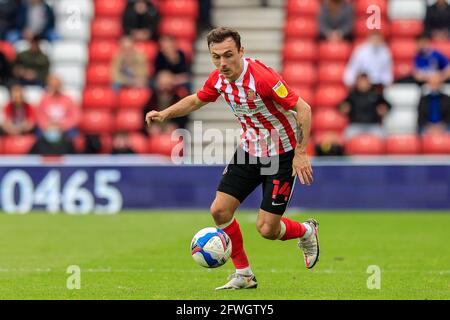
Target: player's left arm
301 165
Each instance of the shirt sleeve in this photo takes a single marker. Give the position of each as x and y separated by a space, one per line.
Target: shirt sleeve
208 93
274 87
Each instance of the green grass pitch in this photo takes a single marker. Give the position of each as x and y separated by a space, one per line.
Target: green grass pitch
146 256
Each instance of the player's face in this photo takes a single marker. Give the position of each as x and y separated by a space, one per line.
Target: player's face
227 58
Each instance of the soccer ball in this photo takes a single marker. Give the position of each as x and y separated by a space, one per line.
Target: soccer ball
211 247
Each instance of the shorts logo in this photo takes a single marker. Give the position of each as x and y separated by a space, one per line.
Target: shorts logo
280 89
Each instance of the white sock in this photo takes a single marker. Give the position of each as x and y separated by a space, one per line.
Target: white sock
308 232
245 272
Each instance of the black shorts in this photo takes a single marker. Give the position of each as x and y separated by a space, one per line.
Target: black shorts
245 172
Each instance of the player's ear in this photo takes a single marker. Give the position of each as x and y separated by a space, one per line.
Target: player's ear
241 52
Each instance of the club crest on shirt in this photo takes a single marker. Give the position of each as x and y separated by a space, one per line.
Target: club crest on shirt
280 90
250 95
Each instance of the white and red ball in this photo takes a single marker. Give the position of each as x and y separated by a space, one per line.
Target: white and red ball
211 247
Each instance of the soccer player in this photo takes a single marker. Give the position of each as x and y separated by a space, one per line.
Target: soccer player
275 130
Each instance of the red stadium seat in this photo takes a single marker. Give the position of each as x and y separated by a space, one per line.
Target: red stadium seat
301 27
134 98
180 28
129 120
403 144
98 75
360 28
106 143
335 51
138 142
442 46
149 49
322 136
331 72
330 96
436 144
365 144
403 49
406 28
99 97
299 73
102 51
403 69
181 8
362 5
97 121
8 50
303 7
305 92
18 144
300 50
106 28
162 144
79 143
328 120
110 8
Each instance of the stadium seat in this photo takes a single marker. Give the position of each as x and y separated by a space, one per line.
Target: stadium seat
8 50
402 69
403 144
406 9
23 45
97 121
305 92
110 8
361 6
401 121
436 144
138 142
73 74
79 31
106 143
365 144
328 120
98 75
299 73
334 51
98 98
161 144
64 9
79 143
180 28
403 95
301 27
134 98
331 72
102 51
180 8
300 50
69 52
303 8
129 120
320 137
403 49
33 94
360 29
406 28
149 49
442 46
18 144
330 96
106 28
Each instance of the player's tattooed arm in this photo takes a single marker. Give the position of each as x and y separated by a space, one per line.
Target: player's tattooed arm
300 135
301 165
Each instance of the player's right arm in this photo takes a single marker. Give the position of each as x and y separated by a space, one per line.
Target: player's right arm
181 108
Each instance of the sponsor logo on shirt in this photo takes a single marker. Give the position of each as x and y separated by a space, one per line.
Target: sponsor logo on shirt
280 90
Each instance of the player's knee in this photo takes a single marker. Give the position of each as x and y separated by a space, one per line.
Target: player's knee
267 231
221 214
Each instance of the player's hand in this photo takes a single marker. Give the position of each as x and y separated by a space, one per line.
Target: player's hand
154 116
301 167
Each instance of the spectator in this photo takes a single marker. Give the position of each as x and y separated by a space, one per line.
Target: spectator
5 70
52 141
140 20
429 61
335 20
365 108
434 108
32 66
58 109
129 66
437 20
165 95
121 144
8 13
373 58
35 18
18 115
171 58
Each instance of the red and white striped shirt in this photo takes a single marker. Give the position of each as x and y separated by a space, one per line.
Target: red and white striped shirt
261 101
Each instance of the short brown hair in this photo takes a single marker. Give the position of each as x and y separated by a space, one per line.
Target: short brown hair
220 34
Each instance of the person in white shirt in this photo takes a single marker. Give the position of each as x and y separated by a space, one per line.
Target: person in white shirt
373 58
